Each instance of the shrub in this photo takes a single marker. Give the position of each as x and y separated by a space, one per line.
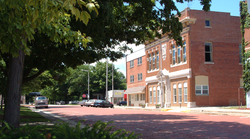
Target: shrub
99 130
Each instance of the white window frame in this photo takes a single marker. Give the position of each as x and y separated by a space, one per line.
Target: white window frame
132 79
185 93
131 63
202 89
210 52
180 93
139 61
174 94
140 77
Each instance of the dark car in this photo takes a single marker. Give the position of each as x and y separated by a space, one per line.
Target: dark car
122 103
103 103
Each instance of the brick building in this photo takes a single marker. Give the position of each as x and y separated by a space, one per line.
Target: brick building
206 71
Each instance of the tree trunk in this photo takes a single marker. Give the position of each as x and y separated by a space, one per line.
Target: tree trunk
13 95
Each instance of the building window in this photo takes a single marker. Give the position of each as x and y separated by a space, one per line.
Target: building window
173 55
154 93
208 52
240 51
142 96
132 64
150 95
137 97
149 65
139 61
174 93
153 61
157 60
131 78
179 54
207 23
184 52
201 90
180 92
139 76
185 93
158 95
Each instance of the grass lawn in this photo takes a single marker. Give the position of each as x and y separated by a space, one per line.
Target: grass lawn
26 115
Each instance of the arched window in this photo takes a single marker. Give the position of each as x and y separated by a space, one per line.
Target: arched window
174 93
180 92
185 93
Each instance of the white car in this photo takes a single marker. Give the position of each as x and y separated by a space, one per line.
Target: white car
82 103
41 101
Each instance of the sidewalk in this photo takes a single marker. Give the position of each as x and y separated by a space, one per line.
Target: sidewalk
198 110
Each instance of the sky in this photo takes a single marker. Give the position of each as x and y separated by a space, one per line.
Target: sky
230 6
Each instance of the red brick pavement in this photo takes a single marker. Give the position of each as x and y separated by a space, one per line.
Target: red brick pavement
161 125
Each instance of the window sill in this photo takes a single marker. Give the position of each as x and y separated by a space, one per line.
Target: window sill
240 63
153 70
208 62
202 94
208 27
131 67
175 65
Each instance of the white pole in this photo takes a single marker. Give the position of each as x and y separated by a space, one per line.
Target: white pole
113 84
88 85
107 79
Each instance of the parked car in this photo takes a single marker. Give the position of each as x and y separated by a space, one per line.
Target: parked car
90 103
103 103
82 103
60 103
41 101
73 102
122 103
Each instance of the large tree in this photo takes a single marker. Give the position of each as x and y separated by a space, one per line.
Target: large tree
20 20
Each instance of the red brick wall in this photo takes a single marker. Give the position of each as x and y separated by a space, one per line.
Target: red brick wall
225 72
135 71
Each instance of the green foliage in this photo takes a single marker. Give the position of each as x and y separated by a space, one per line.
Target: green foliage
99 130
245 20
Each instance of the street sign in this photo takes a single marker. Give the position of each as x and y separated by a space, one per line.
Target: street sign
84 95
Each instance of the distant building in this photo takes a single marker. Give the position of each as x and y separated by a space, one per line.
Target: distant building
206 71
117 97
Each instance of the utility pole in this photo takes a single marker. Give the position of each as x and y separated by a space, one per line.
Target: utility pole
113 84
107 79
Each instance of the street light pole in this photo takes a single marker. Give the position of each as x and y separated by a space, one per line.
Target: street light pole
88 82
